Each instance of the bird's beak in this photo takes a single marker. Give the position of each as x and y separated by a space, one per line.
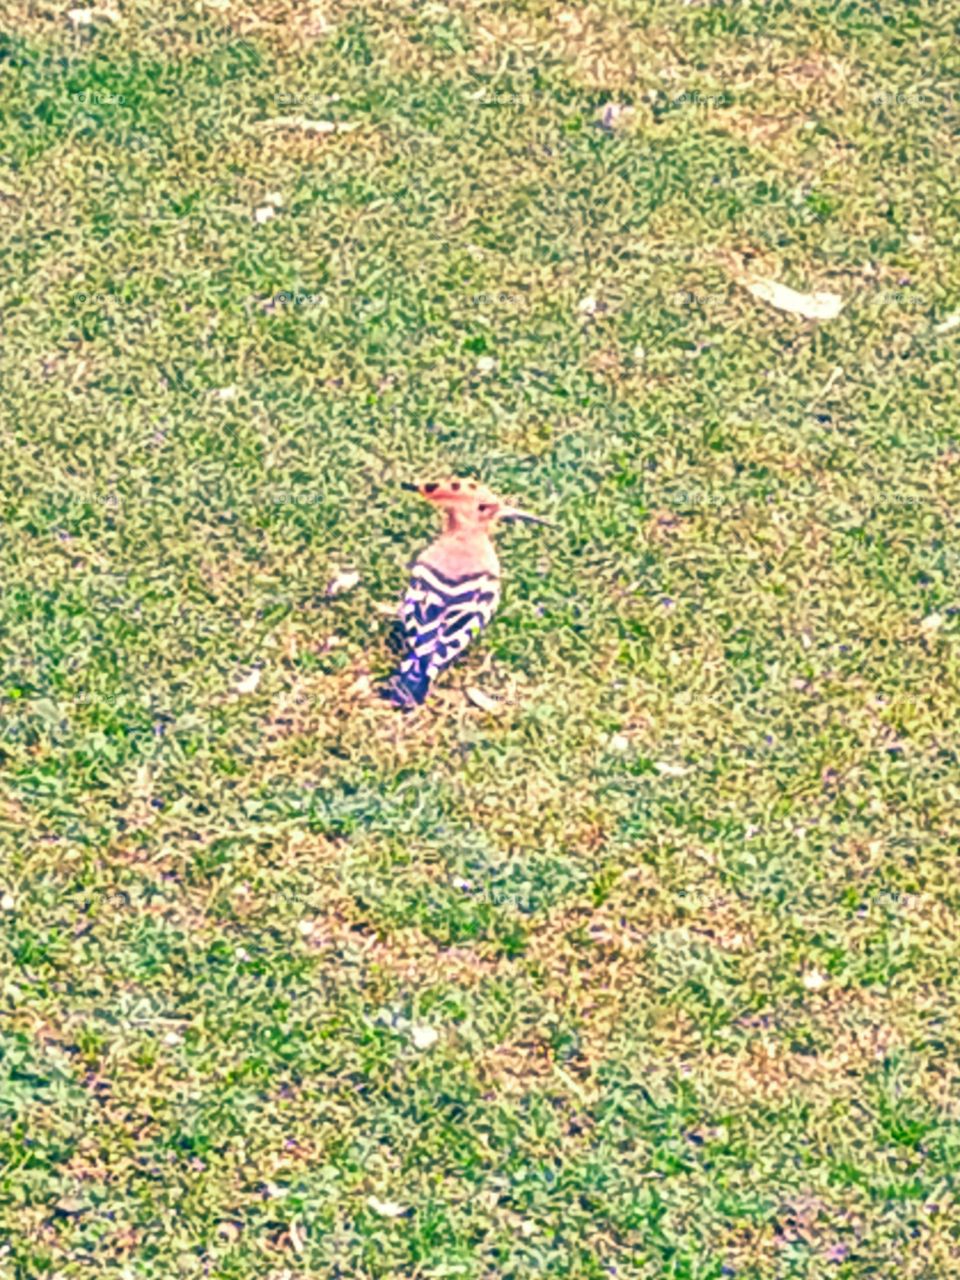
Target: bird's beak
411 488
514 513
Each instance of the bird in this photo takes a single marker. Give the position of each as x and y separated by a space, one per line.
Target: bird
454 584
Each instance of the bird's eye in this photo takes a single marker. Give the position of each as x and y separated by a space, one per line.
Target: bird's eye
485 508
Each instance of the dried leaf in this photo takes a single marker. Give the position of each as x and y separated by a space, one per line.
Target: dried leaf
812 306
481 699
83 17
308 126
386 1208
71 1206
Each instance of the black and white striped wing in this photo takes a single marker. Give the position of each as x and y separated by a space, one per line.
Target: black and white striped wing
441 615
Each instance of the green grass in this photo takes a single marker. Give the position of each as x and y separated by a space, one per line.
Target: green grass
683 912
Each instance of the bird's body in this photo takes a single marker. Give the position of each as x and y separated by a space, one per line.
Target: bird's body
454 586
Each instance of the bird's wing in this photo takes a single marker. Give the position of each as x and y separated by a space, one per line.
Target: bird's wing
441 615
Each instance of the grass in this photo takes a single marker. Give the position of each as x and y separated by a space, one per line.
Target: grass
652 972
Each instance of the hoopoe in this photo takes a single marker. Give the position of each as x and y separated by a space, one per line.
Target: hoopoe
454 584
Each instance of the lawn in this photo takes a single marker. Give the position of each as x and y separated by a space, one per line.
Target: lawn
643 962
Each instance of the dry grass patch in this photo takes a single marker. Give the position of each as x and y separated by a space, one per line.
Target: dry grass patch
601 50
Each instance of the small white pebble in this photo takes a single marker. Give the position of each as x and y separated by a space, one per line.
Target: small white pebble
619 742
528 1228
80 17
813 980
305 927
424 1037
7 902
486 364
932 622
587 306
611 114
264 213
173 1038
225 393
249 682
274 198
343 580
951 322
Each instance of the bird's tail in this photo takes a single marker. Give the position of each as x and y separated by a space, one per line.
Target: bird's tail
408 686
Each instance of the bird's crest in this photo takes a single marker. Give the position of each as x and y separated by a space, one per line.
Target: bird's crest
466 497
453 490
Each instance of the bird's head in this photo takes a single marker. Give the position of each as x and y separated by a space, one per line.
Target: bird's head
467 503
